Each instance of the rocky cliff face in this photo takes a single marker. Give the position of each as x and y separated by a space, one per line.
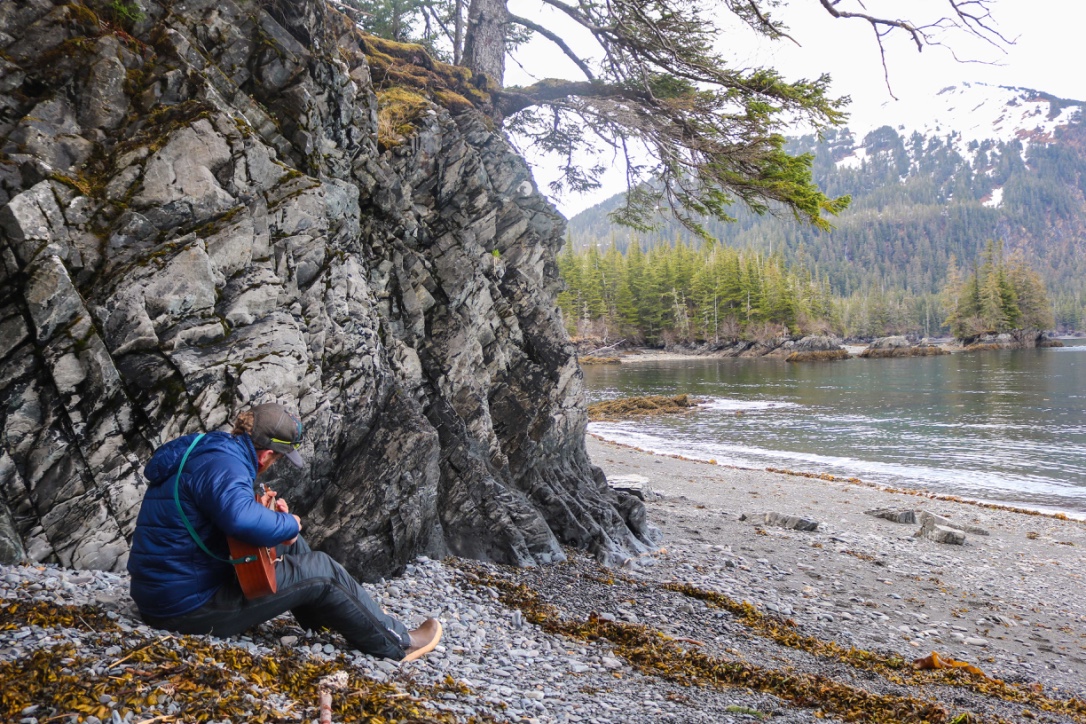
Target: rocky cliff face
196 215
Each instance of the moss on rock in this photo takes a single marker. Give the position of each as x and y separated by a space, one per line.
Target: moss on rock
397 110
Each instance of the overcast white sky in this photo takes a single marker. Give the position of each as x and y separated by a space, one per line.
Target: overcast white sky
1046 56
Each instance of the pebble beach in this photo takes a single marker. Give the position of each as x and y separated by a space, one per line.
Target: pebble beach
737 617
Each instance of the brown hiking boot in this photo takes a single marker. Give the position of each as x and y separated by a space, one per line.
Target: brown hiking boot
423 639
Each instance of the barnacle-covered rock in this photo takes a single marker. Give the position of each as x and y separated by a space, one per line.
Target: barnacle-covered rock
817 348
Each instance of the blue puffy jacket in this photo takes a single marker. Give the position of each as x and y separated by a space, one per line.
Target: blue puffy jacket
170 574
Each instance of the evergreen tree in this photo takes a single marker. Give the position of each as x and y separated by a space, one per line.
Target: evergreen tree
1033 302
998 297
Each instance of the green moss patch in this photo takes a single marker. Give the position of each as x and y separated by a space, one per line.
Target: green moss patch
397 111
410 67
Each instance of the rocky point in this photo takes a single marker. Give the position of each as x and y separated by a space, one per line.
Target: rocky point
201 208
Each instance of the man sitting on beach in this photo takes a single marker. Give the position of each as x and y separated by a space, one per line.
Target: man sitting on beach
201 492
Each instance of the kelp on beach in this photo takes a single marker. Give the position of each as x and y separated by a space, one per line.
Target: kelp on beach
908 693
207 681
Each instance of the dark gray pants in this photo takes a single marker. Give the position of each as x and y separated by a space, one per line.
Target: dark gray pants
313 587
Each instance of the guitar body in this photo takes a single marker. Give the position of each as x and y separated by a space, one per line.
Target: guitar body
257 578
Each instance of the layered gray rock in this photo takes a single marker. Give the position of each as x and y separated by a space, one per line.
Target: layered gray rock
635 485
899 346
1014 339
941 534
196 216
944 530
931 519
894 515
816 348
781 520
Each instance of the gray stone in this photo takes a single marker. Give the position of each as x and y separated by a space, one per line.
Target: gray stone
941 534
103 101
897 342
780 520
33 224
929 519
50 133
817 343
11 546
635 485
183 172
894 515
899 346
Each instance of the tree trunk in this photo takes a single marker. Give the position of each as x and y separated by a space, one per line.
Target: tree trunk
484 46
458 33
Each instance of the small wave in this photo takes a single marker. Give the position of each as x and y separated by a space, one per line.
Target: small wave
960 481
725 404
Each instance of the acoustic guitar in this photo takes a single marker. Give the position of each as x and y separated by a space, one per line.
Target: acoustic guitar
257 577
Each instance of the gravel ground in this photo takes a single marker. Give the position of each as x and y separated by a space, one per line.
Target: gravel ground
1010 603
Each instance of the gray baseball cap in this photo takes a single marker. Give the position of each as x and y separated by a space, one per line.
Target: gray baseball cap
274 428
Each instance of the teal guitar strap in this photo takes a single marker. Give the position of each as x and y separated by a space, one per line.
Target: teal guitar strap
184 518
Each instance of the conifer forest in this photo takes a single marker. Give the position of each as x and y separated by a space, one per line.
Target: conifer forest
923 249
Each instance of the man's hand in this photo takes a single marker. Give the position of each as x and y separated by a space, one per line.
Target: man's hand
269 500
293 540
280 505
266 498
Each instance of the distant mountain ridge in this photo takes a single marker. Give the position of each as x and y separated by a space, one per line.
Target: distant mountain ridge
976 112
934 182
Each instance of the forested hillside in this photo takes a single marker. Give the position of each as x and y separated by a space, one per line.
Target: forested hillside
681 294
926 197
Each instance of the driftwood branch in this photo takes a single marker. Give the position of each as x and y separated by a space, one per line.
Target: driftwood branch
604 349
336 681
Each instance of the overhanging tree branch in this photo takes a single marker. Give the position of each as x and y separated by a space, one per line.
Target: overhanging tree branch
525 22
512 100
970 16
711 133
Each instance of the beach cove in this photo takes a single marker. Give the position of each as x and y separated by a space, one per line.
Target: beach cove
800 626
1002 426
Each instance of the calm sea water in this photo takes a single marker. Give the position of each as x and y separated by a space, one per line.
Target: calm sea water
997 426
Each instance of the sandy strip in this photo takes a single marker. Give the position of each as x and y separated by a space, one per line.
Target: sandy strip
1011 602
651 355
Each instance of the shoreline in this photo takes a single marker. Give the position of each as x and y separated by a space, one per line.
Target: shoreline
638 355
1067 515
1028 566
642 355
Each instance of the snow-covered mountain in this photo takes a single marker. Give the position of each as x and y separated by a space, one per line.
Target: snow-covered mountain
966 116
974 112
